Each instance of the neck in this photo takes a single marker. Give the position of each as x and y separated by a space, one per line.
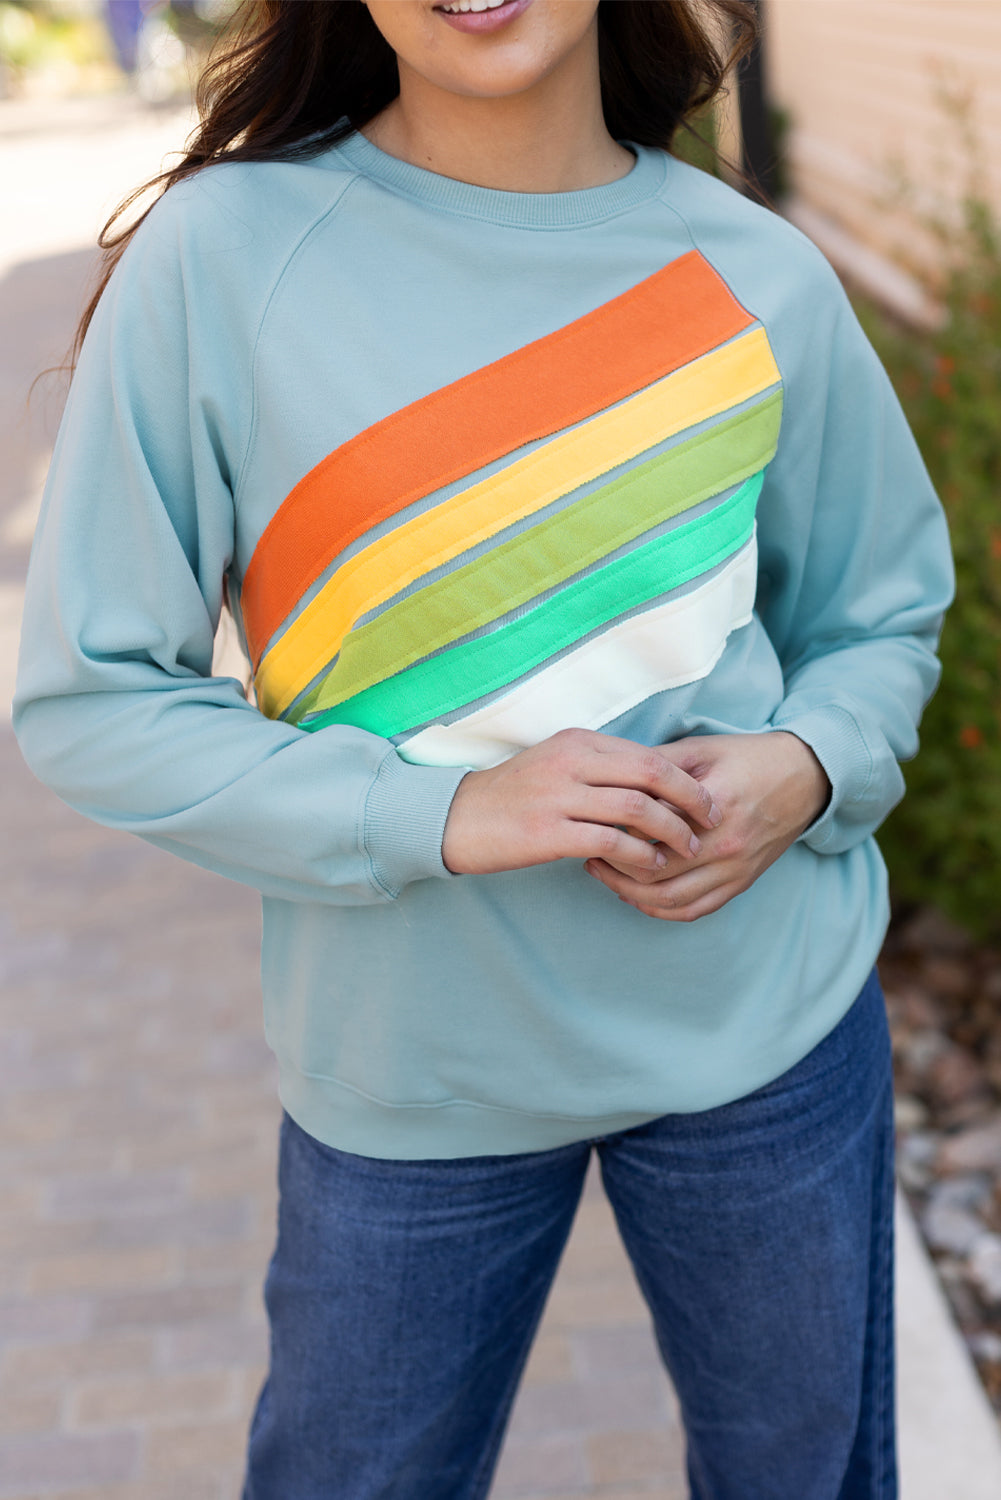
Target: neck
550 138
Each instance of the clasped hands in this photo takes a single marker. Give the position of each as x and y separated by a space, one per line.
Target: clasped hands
676 830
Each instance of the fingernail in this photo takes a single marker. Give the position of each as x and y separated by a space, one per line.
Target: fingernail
715 816
694 845
661 858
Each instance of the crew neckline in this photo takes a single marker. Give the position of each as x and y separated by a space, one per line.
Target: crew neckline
566 210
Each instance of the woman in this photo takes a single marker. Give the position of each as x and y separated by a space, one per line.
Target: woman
581 552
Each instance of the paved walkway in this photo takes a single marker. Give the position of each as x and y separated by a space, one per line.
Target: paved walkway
137 1105
137 1099
137 1130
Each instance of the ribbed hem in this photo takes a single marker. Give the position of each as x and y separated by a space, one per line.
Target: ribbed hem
522 210
349 1119
341 1117
837 742
405 821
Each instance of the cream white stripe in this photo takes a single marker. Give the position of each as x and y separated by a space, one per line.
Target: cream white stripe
666 647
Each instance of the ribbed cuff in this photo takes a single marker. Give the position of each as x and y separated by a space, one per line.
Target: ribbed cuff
405 821
837 742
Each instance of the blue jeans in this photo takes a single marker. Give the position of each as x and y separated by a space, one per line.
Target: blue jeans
403 1296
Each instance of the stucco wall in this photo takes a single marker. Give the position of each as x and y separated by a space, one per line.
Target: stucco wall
859 79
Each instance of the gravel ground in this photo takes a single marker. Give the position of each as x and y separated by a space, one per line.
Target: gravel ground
943 993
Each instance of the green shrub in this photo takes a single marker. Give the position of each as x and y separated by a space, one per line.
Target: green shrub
943 845
697 142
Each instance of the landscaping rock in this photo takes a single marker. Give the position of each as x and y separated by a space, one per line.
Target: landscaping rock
971 1190
951 1219
921 1049
963 1298
985 1345
915 1007
984 1265
944 1008
977 1149
955 1077
951 1229
949 977
909 1113
916 1154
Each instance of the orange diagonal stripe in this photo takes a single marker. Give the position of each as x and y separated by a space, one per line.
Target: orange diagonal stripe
672 317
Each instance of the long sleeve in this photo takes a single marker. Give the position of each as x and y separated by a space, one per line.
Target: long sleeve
855 576
477 466
116 708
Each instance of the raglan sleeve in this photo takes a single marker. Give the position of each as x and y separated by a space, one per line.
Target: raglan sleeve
116 707
855 570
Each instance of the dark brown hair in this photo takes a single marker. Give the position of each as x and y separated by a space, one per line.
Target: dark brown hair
291 78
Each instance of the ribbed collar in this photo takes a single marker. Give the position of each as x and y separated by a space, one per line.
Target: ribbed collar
525 210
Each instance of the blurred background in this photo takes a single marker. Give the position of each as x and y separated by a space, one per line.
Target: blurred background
52 49
137 1105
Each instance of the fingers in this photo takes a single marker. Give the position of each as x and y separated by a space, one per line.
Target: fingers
603 842
643 818
628 765
647 875
672 866
683 898
578 794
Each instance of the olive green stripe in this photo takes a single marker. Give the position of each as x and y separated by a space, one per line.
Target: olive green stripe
545 555
470 671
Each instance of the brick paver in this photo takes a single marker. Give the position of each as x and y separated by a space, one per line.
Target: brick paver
137 1142
596 1415
138 1114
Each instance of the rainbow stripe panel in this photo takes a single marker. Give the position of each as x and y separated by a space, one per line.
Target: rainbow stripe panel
546 542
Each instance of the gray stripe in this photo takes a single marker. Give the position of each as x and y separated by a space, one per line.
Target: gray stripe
477 703
565 501
672 524
438 497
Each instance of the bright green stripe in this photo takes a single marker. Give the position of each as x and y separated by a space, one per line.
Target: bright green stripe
470 671
545 555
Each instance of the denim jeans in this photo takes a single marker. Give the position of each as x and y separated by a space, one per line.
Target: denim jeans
403 1296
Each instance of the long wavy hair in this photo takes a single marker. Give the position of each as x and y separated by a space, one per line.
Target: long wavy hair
289 79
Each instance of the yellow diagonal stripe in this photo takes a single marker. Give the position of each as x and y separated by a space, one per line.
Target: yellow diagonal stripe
702 389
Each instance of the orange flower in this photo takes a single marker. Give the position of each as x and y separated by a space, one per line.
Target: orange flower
996 544
971 737
945 364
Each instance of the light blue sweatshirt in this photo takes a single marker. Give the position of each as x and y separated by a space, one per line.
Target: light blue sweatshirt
476 466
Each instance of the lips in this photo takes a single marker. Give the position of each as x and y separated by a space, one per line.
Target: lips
483 21
461 7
